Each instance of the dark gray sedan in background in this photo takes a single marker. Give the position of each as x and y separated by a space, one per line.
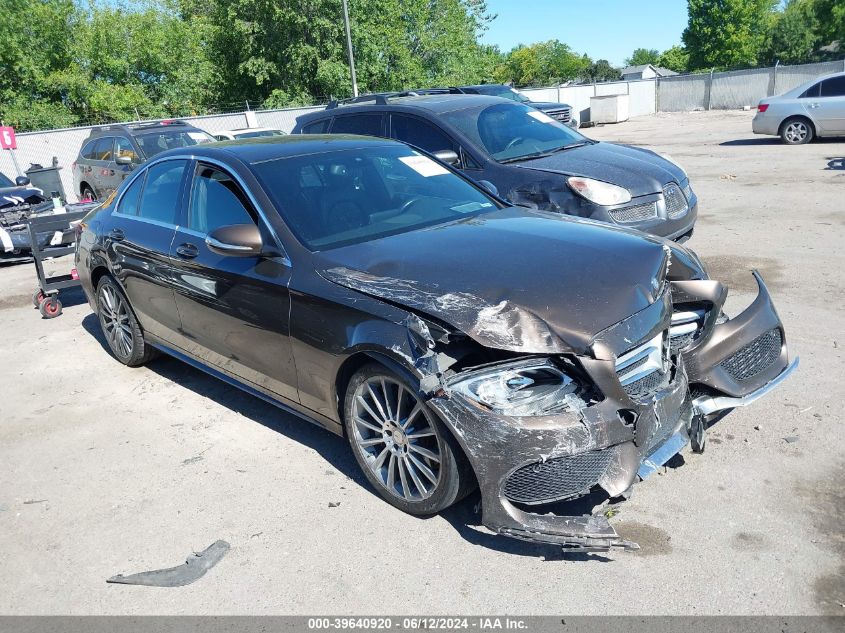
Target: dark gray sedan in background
531 159
455 340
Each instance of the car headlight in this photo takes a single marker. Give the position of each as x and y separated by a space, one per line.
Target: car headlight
528 388
602 193
675 163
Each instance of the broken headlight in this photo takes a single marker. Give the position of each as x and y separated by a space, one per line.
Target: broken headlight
529 388
599 192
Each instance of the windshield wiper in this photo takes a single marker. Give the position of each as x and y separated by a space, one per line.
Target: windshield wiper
526 157
546 153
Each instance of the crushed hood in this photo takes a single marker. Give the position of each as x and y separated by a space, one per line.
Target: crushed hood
513 279
13 196
638 170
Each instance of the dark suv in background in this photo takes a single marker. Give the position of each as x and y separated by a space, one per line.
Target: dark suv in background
558 111
113 151
526 156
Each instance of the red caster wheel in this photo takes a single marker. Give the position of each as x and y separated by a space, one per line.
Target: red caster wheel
50 307
38 297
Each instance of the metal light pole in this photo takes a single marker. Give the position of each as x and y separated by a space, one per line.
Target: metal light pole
349 49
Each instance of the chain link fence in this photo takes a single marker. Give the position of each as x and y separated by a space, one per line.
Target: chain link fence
724 90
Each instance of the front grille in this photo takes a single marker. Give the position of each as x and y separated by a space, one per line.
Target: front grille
643 371
686 326
646 386
755 357
676 201
558 478
637 213
560 115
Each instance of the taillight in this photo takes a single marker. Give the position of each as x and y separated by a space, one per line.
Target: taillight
762 107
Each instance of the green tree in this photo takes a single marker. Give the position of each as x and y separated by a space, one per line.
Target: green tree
601 70
675 58
726 33
831 21
793 36
35 36
541 63
643 56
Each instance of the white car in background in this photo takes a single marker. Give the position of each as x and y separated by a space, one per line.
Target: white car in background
815 108
247 132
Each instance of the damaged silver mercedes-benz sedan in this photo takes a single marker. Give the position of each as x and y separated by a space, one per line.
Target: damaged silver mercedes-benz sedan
454 339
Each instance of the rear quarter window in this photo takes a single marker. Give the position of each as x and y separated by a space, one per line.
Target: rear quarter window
317 127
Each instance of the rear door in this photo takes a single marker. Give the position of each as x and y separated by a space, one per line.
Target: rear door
234 310
99 176
138 242
831 105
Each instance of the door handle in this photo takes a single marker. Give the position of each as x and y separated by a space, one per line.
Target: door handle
187 251
116 235
814 105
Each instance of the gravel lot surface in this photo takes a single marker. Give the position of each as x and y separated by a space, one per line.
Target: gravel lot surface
106 470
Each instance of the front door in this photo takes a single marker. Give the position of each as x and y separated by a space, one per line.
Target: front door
234 310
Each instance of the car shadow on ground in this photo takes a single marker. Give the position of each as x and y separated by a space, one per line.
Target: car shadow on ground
773 140
464 516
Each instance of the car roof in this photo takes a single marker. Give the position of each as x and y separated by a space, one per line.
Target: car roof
138 129
437 104
248 129
264 148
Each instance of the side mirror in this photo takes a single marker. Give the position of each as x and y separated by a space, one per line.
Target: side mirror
447 156
235 240
123 160
22 181
489 186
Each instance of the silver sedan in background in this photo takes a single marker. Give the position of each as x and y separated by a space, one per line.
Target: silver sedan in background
815 108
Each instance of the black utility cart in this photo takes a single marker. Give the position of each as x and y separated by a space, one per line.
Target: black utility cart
53 236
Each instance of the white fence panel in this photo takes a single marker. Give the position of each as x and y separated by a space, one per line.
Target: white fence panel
283 119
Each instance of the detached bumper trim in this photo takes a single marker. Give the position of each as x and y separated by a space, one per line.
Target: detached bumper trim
706 405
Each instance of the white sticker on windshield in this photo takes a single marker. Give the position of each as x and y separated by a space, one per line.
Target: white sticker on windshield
424 166
543 118
198 136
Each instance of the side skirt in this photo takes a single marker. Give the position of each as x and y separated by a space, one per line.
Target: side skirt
313 418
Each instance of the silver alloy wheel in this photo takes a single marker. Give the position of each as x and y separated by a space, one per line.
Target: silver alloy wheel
114 317
396 439
796 131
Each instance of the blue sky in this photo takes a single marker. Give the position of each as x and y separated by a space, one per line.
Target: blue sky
604 29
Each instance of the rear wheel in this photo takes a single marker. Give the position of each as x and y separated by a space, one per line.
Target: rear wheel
796 131
119 325
401 446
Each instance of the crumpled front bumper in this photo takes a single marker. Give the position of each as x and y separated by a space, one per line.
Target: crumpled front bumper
627 438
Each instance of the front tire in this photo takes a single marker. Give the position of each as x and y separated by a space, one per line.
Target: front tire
796 131
404 450
120 327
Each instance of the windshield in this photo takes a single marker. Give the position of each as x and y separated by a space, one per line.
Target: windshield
512 131
345 197
504 92
259 133
152 144
5 182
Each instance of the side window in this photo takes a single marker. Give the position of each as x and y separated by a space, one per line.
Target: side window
129 202
365 124
88 149
318 127
811 93
161 194
103 150
833 87
421 134
216 200
124 148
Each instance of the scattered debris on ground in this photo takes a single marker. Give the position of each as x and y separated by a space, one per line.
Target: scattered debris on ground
194 568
